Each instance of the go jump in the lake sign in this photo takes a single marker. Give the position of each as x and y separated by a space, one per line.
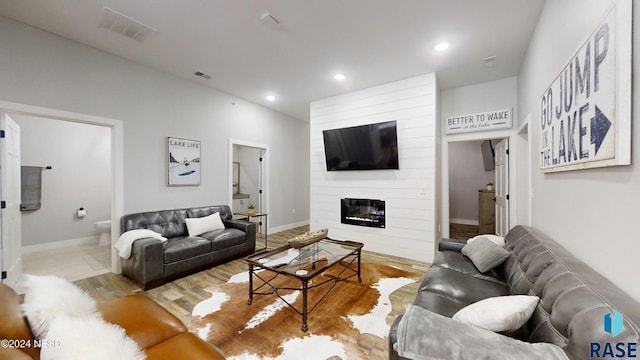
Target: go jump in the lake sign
585 114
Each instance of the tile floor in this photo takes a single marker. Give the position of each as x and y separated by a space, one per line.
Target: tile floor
72 263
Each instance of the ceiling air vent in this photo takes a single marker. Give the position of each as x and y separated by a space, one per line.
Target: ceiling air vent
124 25
202 75
489 61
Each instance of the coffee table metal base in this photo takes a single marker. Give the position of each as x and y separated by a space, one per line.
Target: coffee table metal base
267 286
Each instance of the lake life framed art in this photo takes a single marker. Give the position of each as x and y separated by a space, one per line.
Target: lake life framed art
183 167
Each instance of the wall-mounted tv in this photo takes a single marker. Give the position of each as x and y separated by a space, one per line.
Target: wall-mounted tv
365 147
488 155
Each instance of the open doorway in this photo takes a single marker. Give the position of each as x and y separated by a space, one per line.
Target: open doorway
115 128
248 185
471 188
69 177
476 187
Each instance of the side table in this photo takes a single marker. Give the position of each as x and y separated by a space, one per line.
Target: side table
258 215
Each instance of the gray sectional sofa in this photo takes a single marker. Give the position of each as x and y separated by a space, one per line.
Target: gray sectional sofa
153 262
574 300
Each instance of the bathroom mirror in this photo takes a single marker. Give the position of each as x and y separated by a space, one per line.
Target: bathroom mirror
236 178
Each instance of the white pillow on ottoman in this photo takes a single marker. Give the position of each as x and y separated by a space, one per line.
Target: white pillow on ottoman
500 313
88 338
49 296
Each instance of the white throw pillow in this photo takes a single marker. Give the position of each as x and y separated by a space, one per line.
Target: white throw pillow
201 225
88 338
128 237
47 297
498 240
500 313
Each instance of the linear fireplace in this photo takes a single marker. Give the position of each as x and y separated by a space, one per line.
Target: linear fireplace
363 212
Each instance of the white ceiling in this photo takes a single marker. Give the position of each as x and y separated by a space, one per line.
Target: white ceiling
371 41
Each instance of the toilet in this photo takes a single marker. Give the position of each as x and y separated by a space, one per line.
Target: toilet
104 229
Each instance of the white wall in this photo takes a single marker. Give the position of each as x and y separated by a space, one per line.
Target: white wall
409 192
437 199
80 155
593 213
493 95
466 177
39 68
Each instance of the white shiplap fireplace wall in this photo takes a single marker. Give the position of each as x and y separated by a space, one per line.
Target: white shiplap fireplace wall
409 192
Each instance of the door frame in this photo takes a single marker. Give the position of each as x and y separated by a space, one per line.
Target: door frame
502 199
265 171
526 158
478 136
12 211
117 158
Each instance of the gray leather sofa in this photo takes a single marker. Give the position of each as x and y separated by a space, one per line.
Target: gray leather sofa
153 262
573 298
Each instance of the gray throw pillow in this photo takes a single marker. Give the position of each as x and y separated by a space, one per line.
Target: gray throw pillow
484 254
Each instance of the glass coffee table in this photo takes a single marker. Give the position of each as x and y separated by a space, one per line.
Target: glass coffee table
303 265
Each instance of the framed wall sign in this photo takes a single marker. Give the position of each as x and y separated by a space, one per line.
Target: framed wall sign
183 162
484 121
585 113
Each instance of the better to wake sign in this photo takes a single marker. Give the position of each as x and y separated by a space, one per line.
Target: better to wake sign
578 110
490 120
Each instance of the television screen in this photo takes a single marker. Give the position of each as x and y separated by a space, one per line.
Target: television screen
488 155
366 147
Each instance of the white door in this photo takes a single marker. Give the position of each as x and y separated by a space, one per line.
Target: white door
260 207
260 155
502 187
11 232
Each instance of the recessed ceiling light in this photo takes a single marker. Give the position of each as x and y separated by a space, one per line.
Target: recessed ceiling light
271 97
442 46
339 77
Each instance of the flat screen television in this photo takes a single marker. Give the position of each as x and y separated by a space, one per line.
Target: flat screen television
488 155
365 147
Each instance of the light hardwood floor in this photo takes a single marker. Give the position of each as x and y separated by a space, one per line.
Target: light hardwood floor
180 296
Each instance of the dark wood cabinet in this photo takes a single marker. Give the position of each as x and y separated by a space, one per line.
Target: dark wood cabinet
487 212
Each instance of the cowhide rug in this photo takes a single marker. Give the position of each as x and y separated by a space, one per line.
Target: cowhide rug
269 329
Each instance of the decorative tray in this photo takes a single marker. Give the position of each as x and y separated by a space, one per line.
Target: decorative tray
308 238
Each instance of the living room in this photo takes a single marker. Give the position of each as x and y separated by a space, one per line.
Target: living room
589 212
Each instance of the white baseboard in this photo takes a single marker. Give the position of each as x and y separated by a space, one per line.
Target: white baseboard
13 274
276 229
87 240
464 222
